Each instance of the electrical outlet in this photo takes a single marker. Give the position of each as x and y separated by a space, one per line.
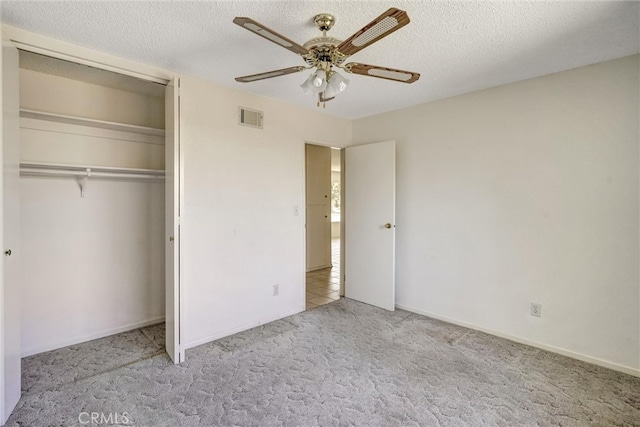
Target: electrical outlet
276 290
536 309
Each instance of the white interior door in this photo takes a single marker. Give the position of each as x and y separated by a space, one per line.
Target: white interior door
10 277
369 209
172 219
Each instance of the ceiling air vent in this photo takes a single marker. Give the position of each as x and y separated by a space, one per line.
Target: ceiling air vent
251 118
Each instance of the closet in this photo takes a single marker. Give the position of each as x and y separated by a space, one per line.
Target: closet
92 202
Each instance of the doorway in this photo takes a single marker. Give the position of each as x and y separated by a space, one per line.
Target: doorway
323 225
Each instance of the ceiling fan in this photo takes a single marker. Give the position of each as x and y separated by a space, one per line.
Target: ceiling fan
327 53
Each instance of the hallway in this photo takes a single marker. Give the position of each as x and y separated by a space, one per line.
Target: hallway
323 286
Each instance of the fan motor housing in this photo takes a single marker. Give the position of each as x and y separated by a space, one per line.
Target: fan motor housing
324 53
321 42
323 49
324 21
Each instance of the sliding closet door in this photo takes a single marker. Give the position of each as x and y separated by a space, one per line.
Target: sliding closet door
172 215
10 276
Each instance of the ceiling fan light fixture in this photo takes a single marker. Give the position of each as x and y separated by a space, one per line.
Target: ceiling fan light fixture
316 83
307 87
336 84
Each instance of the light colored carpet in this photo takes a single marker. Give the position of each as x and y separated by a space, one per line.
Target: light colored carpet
342 364
50 370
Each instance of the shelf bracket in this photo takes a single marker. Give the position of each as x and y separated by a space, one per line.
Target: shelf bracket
83 182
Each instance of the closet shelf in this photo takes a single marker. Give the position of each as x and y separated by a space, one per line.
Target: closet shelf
81 121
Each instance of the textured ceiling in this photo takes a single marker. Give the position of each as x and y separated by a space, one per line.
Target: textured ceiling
458 47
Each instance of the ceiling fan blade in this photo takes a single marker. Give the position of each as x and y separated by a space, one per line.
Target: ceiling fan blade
382 72
385 24
269 74
270 35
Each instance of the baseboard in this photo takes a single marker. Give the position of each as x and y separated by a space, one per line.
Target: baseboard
574 355
92 337
320 268
244 327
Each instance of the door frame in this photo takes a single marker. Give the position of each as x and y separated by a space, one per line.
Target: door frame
343 209
306 145
343 225
44 45
311 141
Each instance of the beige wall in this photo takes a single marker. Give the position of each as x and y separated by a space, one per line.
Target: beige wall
524 193
241 187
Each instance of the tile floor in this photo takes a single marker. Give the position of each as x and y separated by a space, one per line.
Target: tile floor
323 286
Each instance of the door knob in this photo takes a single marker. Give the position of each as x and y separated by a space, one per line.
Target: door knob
7 252
387 225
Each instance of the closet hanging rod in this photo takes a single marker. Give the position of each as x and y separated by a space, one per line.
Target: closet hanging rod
58 170
92 174
83 173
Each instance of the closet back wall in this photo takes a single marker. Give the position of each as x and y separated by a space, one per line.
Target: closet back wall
92 266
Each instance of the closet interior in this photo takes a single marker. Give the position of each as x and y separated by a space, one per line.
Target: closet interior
92 205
